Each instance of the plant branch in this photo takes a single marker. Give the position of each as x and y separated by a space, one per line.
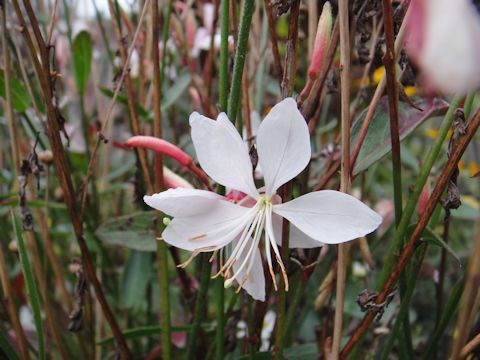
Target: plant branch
413 241
240 56
62 167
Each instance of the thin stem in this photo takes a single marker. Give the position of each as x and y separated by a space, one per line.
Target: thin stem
12 128
397 267
468 308
273 39
223 70
61 164
286 190
392 92
162 258
199 306
240 56
406 299
413 199
345 168
223 99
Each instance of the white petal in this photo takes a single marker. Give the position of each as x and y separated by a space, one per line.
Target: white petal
210 230
255 283
297 238
283 144
183 202
222 153
330 216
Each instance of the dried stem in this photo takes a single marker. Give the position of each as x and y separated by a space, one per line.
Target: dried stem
273 39
345 168
413 241
290 68
61 164
468 310
162 259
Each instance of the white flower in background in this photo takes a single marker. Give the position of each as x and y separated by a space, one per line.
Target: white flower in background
203 36
204 221
267 329
444 40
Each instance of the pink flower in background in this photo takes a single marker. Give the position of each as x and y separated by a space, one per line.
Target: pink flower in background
444 40
204 221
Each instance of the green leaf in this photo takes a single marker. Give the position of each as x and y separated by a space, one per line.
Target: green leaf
136 276
20 98
377 142
31 285
430 237
82 50
135 231
180 85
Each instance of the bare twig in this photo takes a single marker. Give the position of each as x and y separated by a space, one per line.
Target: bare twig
413 241
61 163
345 167
273 39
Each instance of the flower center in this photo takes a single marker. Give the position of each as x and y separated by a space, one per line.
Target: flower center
244 254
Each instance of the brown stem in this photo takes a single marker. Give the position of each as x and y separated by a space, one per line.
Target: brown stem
344 167
413 241
277 63
62 166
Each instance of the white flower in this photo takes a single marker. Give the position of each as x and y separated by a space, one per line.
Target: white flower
203 221
444 40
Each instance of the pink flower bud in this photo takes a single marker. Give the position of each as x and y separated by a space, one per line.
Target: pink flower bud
172 180
423 200
165 148
160 146
322 40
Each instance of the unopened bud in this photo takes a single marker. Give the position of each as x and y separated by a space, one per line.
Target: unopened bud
422 201
13 246
45 156
166 221
227 283
322 40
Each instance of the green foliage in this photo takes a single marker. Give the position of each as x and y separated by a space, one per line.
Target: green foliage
82 51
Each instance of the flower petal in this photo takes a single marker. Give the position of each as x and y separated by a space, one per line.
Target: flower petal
297 238
330 216
222 153
448 56
183 202
255 283
283 144
210 230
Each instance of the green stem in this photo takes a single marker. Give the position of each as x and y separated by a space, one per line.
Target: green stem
240 56
406 298
165 35
161 247
449 311
223 94
293 307
413 199
200 304
223 71
220 303
164 298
